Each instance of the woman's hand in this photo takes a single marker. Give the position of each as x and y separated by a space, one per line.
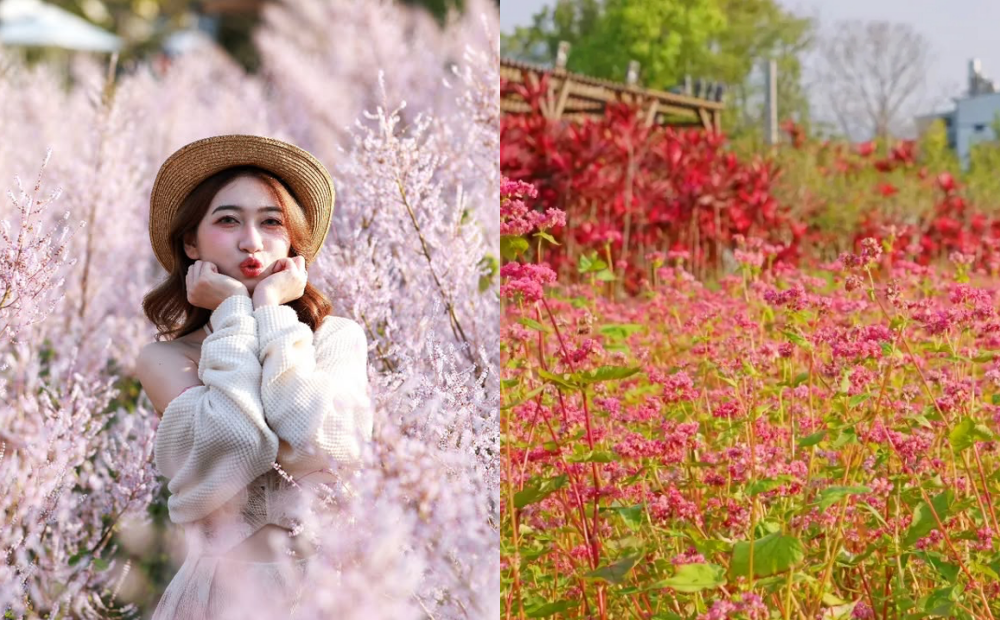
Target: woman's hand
207 288
286 283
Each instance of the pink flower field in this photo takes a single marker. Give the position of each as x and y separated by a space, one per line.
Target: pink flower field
773 443
404 113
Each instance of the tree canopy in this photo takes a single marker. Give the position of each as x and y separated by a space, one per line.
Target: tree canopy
717 40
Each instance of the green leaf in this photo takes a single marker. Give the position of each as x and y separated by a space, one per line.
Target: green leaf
847 435
857 399
512 246
605 275
984 570
939 602
707 547
774 553
587 264
547 237
762 486
537 489
563 381
749 369
695 578
966 433
604 373
620 331
831 495
799 379
798 340
615 573
526 398
845 384
101 564
812 440
946 569
544 610
632 515
533 324
923 520
593 456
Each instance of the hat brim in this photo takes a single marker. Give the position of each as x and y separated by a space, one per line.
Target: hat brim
183 171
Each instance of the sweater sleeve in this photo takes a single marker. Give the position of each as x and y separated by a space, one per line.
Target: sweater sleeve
212 440
315 386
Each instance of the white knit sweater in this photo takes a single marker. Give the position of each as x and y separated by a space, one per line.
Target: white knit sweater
272 391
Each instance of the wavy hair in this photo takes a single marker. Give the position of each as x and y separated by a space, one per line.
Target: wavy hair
167 306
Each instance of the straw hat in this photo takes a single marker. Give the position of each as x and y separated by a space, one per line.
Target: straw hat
309 181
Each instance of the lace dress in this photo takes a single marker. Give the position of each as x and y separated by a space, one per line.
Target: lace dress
272 392
211 585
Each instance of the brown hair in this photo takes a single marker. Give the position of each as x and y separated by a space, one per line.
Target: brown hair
167 306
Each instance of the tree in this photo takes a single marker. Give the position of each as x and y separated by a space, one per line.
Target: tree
665 37
569 20
718 40
758 30
870 75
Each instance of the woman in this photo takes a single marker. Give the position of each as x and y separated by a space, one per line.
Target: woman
254 372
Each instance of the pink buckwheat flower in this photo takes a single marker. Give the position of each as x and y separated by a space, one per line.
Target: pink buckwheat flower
526 279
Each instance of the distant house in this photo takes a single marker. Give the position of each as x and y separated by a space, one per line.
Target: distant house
972 119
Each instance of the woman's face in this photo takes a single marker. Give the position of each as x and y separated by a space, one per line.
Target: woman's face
242 221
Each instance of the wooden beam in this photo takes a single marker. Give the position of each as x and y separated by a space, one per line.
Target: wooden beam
571 94
564 89
706 122
651 112
531 78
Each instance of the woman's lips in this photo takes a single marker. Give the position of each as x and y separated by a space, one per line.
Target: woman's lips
252 272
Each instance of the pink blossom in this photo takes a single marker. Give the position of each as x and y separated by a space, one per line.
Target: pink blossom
526 280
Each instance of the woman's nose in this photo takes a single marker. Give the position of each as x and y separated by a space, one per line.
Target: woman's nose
251 240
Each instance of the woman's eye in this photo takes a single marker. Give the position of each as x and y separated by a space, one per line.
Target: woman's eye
273 221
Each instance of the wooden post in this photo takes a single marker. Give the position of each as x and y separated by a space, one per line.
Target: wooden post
633 73
771 104
562 56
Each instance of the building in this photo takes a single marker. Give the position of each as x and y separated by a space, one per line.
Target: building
973 117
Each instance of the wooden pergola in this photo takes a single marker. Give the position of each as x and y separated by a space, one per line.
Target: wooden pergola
574 96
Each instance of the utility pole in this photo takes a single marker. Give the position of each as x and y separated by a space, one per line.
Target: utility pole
771 103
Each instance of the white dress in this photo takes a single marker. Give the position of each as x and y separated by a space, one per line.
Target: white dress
272 392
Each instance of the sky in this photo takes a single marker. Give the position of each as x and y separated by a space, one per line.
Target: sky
958 30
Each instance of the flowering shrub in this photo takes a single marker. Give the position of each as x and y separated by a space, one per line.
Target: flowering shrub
628 189
411 256
792 443
633 193
913 193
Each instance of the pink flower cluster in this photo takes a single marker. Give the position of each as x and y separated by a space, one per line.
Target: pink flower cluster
750 605
516 218
526 280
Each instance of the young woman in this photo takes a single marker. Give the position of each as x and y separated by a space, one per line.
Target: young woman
249 369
